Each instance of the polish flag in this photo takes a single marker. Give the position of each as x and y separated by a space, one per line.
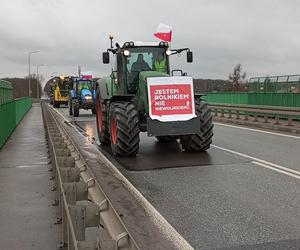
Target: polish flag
86 75
164 32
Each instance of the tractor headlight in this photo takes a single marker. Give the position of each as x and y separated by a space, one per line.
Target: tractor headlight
126 52
88 97
168 52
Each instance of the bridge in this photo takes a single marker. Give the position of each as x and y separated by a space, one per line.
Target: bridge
61 189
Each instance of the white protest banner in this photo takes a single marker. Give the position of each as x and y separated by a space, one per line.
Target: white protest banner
171 98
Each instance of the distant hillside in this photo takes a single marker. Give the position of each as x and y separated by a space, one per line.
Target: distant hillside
20 86
217 85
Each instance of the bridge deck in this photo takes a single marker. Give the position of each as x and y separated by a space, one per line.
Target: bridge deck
27 215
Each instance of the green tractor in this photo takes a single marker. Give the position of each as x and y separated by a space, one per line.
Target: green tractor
123 105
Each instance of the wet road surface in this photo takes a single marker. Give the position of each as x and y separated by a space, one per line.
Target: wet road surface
222 198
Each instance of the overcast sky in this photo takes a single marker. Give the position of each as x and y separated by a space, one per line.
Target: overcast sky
261 35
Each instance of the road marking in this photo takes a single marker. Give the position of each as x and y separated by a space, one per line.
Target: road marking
275 169
263 163
258 130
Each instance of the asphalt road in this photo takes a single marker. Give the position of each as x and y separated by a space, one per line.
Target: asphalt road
242 194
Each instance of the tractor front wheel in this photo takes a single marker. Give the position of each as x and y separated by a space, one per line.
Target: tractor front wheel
70 107
202 140
56 104
101 121
75 104
124 128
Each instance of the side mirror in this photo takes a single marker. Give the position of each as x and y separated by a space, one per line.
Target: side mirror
189 56
105 57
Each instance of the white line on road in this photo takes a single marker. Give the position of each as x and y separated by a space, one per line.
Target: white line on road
276 169
258 130
263 163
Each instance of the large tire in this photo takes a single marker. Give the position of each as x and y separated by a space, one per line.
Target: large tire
94 110
124 129
101 121
56 104
202 140
166 138
70 107
75 104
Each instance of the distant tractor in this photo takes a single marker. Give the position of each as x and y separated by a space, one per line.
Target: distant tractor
82 96
60 91
123 108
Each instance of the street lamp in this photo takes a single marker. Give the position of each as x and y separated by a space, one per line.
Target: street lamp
29 55
37 80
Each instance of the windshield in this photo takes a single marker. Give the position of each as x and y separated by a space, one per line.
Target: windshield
84 85
144 59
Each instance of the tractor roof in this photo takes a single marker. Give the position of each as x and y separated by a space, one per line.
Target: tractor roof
142 44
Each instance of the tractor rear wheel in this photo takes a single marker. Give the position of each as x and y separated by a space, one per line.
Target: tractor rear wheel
124 128
202 140
70 107
166 138
75 104
101 121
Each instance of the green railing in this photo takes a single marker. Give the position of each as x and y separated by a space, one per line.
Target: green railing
6 91
266 99
11 113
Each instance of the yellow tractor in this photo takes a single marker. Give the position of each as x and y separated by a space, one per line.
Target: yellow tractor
60 90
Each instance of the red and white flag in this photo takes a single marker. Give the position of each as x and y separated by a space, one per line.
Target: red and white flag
164 32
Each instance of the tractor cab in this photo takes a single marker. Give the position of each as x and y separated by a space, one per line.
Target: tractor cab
130 59
84 88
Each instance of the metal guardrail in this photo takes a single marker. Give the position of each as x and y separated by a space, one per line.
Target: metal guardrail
278 114
82 203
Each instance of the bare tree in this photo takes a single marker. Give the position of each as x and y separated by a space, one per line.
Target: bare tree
237 77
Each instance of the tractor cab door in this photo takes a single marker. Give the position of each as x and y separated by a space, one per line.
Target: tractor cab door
118 83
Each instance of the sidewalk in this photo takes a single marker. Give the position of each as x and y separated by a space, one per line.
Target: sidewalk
26 213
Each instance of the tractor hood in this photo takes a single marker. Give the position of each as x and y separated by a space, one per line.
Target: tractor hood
86 92
143 100
145 74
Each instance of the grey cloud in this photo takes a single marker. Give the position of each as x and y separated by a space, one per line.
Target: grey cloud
262 35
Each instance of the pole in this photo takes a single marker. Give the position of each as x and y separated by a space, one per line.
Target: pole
37 80
29 74
29 55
